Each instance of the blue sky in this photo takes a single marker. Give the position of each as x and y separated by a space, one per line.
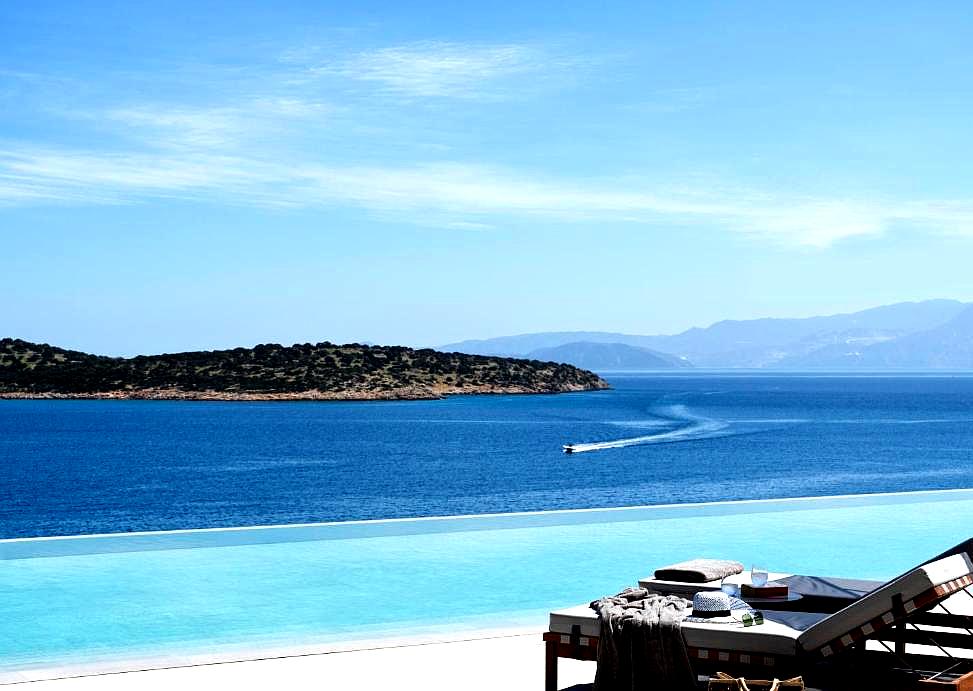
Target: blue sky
199 175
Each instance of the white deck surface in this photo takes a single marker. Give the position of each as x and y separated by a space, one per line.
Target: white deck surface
505 662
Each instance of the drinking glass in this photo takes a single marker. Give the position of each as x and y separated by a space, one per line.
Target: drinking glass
758 576
731 589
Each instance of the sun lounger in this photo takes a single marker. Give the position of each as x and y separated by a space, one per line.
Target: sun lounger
818 593
795 641
893 603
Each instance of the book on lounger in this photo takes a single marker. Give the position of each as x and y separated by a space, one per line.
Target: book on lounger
770 590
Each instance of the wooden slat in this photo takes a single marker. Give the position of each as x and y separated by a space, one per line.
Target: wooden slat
956 621
943 638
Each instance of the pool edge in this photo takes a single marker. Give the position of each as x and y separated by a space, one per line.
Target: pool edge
76 545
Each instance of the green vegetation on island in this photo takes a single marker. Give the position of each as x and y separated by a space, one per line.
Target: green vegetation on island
322 371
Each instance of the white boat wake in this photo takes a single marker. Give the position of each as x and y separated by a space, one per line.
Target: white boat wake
692 427
678 424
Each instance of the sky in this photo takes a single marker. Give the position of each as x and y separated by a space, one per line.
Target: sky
190 175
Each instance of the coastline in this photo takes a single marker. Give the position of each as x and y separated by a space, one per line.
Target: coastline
395 394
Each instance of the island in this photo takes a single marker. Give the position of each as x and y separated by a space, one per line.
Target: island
321 371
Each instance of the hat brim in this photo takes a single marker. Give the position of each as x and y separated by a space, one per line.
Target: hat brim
714 620
734 618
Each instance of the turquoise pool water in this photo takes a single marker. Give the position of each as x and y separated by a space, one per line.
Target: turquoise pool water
83 599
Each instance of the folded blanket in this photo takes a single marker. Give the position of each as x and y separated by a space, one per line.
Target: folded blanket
699 570
641 645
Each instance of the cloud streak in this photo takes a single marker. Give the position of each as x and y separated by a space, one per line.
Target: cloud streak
453 195
436 69
281 145
441 69
210 127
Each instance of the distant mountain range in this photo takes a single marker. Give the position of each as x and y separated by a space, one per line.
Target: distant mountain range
607 356
929 335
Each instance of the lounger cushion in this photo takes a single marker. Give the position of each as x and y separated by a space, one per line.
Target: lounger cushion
819 593
879 602
563 620
681 588
776 636
845 589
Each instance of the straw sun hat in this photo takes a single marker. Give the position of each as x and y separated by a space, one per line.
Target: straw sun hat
716 607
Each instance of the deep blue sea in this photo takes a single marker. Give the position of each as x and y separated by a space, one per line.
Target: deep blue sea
71 467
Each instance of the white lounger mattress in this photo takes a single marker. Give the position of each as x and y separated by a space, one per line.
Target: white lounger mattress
784 633
776 636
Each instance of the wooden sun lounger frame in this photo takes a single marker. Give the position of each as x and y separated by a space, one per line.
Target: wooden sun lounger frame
894 629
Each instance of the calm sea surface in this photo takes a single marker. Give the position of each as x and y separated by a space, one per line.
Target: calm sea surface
70 467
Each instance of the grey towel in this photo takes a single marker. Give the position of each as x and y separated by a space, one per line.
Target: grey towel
699 570
641 645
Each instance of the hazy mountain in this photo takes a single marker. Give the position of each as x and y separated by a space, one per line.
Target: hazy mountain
522 344
890 335
822 349
948 346
608 356
767 342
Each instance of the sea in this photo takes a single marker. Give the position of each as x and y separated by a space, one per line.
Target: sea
81 467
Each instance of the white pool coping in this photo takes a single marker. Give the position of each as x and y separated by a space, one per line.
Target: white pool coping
74 545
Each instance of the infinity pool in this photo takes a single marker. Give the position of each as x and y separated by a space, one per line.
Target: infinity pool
84 599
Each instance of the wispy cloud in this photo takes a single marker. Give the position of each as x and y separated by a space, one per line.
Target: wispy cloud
459 196
189 126
209 127
99 178
265 148
443 69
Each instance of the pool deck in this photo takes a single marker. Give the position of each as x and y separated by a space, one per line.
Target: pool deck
509 661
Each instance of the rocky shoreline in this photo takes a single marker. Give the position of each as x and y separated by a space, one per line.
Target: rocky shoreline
402 394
